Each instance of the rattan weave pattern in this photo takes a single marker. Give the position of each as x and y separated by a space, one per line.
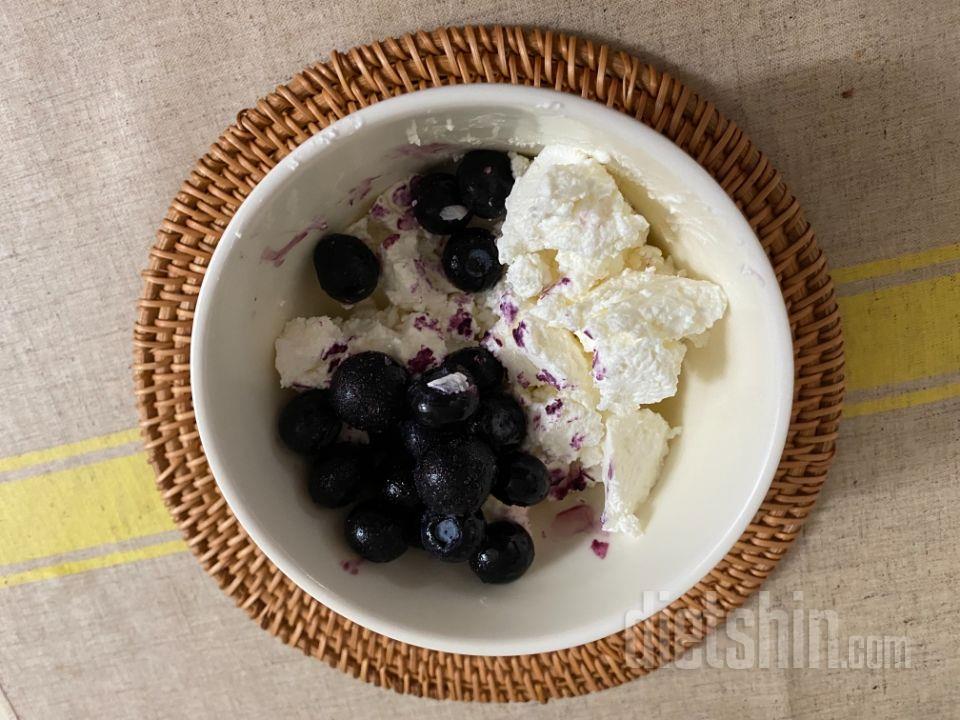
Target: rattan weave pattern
325 92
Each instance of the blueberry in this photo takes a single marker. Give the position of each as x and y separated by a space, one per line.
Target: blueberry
346 268
397 486
456 476
505 553
441 397
416 438
484 368
307 424
410 518
337 476
500 420
437 204
485 179
374 531
453 538
471 261
368 391
522 479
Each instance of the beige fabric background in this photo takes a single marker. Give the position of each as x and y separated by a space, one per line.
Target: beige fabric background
104 107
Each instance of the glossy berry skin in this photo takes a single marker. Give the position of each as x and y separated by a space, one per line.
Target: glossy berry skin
451 538
487 372
505 553
437 204
485 179
375 531
442 397
397 486
347 269
417 438
500 421
368 391
521 480
471 261
307 424
456 476
337 477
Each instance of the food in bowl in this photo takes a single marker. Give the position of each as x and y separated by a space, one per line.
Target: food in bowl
565 299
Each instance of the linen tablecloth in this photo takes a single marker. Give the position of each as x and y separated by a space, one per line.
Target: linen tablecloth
104 107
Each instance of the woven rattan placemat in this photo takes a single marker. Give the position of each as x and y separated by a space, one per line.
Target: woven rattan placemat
325 92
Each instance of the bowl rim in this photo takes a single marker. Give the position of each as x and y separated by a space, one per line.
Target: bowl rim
416 104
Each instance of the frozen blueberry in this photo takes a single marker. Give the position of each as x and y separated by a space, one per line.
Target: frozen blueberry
375 531
442 397
453 538
437 204
470 260
411 525
416 437
397 486
337 476
500 420
307 424
521 479
505 553
456 476
484 368
485 179
368 391
346 268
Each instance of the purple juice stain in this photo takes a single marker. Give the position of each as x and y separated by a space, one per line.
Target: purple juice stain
403 195
407 221
522 380
335 349
554 407
425 322
599 372
547 377
518 333
362 189
351 565
586 331
389 241
600 548
277 257
576 442
508 311
378 211
422 361
610 471
461 323
573 480
573 521
419 151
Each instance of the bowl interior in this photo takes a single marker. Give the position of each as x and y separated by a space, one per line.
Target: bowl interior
733 403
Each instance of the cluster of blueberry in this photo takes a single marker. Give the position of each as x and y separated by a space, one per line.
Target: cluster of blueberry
441 443
443 204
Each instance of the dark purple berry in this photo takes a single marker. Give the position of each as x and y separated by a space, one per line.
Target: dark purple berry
452 538
505 553
471 261
437 204
346 268
443 397
522 479
456 476
368 391
485 179
375 531
483 367
337 477
307 424
397 486
500 421
416 438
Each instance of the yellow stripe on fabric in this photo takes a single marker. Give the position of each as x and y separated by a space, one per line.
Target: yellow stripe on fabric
902 333
902 401
73 567
894 265
90 505
61 452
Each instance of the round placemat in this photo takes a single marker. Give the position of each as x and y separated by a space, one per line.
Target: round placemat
328 91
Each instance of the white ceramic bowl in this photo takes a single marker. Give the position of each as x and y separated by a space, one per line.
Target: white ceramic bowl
733 405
